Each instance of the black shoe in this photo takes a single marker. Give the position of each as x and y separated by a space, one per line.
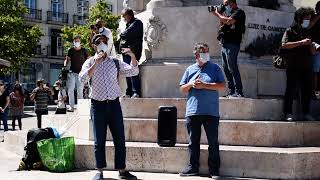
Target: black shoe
126 175
98 176
189 171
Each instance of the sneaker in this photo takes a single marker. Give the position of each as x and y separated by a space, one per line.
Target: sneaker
71 109
126 175
214 174
189 171
98 176
228 95
289 117
135 95
308 117
237 95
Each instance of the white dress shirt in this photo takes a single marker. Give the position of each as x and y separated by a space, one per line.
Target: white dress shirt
104 82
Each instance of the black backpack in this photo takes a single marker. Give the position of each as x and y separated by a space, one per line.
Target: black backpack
31 155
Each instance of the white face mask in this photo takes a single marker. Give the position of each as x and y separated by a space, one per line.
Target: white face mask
204 57
76 44
102 47
305 23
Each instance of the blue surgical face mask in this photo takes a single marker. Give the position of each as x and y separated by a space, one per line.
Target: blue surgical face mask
305 23
228 10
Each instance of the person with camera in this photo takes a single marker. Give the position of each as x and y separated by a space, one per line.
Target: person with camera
99 28
132 38
201 82
102 71
232 27
77 55
299 48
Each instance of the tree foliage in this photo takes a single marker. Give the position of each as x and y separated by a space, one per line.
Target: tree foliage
17 39
98 11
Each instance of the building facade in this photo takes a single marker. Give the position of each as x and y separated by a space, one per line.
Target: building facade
51 16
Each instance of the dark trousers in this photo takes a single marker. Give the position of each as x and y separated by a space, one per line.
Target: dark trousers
39 119
14 118
104 114
4 118
229 53
210 124
299 81
133 83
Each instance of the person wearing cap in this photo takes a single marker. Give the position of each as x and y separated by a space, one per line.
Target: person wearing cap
77 55
232 27
101 29
40 95
201 82
62 97
4 103
132 38
101 71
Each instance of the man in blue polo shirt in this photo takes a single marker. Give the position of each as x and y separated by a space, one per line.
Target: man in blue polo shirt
201 82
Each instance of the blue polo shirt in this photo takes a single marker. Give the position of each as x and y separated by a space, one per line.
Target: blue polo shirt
202 101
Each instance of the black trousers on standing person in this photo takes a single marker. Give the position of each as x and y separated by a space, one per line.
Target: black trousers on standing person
299 79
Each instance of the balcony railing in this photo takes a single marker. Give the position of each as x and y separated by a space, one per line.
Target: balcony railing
80 20
55 51
57 17
33 15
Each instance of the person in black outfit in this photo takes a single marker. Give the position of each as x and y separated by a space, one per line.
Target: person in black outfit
232 21
4 103
132 38
296 41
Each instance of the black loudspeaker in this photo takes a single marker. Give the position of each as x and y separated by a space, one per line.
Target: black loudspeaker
167 126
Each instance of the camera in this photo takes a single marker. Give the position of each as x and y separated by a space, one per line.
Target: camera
316 46
221 8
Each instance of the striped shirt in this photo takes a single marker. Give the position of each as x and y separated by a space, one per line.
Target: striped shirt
42 98
104 82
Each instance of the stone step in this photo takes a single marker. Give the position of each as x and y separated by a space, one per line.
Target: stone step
239 161
231 132
236 108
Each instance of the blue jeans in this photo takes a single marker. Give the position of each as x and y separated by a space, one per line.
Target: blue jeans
211 125
229 53
72 83
133 83
4 118
104 114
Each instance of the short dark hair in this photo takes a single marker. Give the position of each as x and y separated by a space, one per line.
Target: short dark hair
128 11
39 82
76 37
318 6
199 46
233 1
301 13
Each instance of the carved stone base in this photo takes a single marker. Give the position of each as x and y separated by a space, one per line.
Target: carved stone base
164 3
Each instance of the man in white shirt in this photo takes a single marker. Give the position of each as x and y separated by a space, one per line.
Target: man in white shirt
102 72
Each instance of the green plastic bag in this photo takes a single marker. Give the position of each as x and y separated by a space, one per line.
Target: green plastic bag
57 154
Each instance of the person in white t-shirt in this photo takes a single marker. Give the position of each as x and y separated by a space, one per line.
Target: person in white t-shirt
62 97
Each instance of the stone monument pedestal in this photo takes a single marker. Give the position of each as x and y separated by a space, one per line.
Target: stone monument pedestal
171 32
